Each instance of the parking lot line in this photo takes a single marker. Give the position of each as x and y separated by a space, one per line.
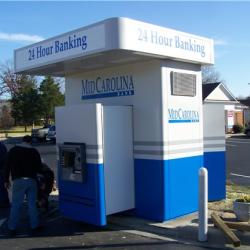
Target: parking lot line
240 175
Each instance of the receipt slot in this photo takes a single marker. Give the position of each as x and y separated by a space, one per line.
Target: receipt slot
72 160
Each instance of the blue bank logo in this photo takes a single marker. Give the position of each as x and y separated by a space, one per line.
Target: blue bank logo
182 116
115 86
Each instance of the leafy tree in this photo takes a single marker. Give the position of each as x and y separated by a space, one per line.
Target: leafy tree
50 98
26 102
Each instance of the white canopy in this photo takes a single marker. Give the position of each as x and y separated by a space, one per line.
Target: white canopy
111 42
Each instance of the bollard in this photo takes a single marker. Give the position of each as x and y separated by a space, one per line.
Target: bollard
203 197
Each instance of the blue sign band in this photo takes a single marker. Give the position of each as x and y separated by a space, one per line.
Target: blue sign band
182 121
112 94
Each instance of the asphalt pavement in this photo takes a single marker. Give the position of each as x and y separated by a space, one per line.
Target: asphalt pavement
238 159
124 231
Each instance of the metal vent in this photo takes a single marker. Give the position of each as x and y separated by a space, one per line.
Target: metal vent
183 84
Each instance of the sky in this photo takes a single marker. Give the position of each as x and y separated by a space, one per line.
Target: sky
23 23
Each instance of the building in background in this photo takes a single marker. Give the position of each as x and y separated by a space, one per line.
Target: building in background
245 104
216 97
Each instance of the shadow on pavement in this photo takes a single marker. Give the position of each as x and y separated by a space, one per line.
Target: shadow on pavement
18 139
185 231
12 140
54 224
60 233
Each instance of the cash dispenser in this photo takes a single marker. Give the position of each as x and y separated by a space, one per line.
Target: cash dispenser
72 159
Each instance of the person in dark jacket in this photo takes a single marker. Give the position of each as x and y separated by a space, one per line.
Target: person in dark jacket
4 196
23 164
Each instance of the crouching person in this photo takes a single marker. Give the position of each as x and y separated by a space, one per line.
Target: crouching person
23 164
45 181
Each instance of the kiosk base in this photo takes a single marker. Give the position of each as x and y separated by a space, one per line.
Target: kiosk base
216 167
173 190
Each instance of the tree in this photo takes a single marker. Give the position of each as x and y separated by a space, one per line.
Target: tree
9 81
210 75
26 102
6 119
50 98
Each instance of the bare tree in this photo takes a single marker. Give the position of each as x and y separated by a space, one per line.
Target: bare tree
9 81
61 82
210 75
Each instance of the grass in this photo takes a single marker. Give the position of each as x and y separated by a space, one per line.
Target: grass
16 131
233 192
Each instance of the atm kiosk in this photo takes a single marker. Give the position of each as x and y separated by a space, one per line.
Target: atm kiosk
133 98
96 178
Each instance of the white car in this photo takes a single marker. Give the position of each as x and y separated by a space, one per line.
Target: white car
40 133
51 136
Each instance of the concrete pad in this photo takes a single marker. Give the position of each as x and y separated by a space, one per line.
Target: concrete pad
183 230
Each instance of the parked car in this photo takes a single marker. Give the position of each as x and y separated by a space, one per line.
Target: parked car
40 133
247 131
51 136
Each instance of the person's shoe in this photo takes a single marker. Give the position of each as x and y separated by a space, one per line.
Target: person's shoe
11 232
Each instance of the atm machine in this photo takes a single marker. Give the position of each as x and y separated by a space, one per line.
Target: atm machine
72 161
96 167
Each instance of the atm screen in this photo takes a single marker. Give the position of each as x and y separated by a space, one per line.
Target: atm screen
72 158
69 159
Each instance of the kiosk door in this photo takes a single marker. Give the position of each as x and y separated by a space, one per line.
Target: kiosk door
118 158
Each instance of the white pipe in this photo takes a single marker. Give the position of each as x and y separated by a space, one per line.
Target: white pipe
203 212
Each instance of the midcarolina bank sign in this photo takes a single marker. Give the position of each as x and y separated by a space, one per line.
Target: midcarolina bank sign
114 86
182 116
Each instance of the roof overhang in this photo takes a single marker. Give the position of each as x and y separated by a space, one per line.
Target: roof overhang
111 42
221 102
87 63
221 94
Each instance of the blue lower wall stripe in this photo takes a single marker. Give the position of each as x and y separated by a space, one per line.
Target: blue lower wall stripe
216 165
149 201
84 201
166 189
